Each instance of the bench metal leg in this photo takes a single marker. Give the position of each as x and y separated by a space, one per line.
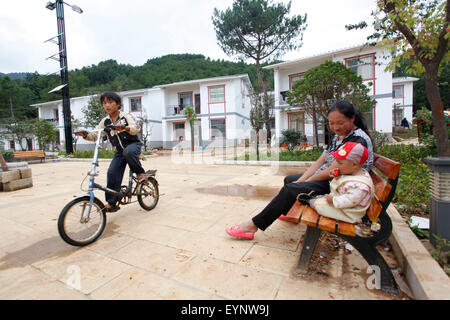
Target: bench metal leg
309 245
374 258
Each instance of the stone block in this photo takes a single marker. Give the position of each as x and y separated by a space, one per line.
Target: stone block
15 165
15 174
18 184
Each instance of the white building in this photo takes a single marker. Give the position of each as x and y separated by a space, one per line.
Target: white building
222 105
368 62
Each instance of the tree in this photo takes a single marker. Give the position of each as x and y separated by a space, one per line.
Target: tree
191 116
93 113
258 30
419 31
325 84
146 129
44 132
256 116
19 131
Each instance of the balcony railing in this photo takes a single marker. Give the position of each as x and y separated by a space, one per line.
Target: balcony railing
54 122
174 110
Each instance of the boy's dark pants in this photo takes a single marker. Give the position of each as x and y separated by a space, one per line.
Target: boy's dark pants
286 199
116 169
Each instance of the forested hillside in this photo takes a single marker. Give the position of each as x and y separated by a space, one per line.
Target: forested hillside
17 94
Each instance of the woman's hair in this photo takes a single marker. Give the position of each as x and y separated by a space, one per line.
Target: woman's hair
349 110
111 96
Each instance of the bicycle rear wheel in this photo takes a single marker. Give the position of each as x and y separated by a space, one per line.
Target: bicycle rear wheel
148 194
73 225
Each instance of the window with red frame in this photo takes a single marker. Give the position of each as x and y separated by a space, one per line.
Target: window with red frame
362 65
135 104
294 78
218 130
217 94
178 129
397 92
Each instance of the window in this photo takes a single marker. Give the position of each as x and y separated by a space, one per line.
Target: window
397 116
217 94
185 99
293 78
218 130
297 121
135 104
55 114
197 104
397 92
363 66
178 129
12 145
368 116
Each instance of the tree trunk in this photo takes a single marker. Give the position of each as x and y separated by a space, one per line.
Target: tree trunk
437 109
316 132
192 136
257 145
266 105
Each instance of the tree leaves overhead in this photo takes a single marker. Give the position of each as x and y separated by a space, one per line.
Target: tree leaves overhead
258 29
327 83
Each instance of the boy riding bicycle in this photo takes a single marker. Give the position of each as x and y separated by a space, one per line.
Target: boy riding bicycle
127 145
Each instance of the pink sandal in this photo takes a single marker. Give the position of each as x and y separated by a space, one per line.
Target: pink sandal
237 232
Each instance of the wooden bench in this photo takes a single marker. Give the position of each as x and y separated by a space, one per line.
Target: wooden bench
366 245
36 154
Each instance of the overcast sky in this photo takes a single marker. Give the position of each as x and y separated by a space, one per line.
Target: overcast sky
133 31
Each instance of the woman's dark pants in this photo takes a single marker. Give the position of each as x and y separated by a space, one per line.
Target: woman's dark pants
286 198
116 169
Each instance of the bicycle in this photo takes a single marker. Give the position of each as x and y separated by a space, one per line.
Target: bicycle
83 220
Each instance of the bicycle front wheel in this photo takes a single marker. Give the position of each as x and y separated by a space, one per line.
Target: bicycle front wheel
75 227
148 194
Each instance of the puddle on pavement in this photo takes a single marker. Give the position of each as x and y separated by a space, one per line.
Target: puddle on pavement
246 191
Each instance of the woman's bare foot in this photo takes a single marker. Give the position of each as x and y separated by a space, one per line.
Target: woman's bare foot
248 226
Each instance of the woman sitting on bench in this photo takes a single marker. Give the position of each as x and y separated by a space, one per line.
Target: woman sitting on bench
349 126
352 188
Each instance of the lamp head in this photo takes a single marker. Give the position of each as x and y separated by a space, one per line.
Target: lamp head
50 5
76 9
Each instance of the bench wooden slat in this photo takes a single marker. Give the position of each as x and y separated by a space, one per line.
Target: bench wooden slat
327 224
346 228
389 167
310 217
27 154
374 210
382 188
295 212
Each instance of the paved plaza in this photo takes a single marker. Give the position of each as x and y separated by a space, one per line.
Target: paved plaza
179 250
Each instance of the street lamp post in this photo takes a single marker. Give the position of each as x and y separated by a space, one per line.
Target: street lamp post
64 69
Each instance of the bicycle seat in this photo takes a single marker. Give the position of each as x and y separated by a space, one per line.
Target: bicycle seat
151 172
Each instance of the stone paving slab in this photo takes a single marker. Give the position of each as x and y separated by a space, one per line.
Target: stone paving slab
179 250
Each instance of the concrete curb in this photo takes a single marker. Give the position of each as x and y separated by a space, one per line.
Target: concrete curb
425 277
264 163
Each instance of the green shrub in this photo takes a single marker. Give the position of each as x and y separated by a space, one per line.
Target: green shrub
379 139
301 155
8 155
406 153
413 190
85 154
291 138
